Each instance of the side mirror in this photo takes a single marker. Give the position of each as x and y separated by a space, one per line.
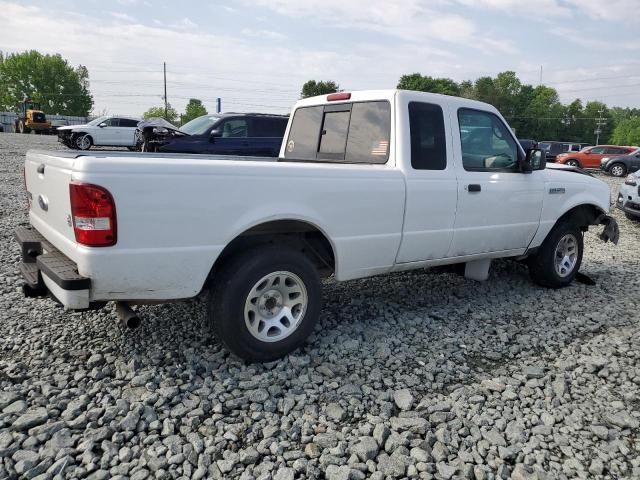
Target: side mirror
587 152
534 160
102 125
216 132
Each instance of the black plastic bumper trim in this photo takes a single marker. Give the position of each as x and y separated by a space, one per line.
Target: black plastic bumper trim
54 264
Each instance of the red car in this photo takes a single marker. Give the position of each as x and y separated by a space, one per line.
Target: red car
590 157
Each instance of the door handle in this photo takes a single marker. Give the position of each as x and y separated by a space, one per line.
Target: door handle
474 187
40 169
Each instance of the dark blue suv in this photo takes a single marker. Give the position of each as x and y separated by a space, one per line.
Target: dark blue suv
251 134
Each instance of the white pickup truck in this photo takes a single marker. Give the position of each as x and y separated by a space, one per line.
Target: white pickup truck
366 183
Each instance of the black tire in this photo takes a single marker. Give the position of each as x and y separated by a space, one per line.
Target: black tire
542 265
79 140
132 149
632 217
234 283
572 162
617 172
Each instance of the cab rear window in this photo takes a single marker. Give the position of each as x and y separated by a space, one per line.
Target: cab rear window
356 132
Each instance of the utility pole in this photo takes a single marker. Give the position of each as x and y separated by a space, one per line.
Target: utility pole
540 83
165 91
599 124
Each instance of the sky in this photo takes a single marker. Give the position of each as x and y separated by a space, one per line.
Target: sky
256 54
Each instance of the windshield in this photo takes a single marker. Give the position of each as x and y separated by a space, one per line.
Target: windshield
97 121
199 125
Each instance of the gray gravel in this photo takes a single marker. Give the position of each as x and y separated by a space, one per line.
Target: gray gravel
416 375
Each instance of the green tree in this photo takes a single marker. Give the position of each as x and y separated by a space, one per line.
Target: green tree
420 83
48 79
627 132
172 115
194 109
323 87
545 112
573 121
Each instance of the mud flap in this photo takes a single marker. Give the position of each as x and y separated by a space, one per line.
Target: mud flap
611 232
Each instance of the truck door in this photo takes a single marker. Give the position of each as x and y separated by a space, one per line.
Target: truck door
431 184
499 207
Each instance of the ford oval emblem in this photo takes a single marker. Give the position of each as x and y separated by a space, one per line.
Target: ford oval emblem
43 202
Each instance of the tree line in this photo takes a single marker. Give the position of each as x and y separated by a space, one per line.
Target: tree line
532 111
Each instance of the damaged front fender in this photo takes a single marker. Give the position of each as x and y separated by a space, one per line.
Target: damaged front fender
611 231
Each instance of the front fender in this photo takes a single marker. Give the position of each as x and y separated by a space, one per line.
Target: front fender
562 196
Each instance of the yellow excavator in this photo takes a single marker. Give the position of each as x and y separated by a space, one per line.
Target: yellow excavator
31 117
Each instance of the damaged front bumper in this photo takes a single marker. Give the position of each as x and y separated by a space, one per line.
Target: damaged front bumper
611 231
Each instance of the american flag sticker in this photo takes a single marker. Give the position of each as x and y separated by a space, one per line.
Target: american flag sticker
380 148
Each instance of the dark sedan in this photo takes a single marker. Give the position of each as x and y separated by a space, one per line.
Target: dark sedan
620 165
248 134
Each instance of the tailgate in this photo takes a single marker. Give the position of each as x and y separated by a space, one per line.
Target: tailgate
47 177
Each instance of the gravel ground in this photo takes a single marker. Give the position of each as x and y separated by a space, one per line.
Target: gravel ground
500 379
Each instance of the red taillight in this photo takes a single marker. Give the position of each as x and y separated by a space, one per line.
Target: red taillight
332 97
94 215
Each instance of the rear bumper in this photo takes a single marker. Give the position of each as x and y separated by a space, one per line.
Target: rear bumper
45 269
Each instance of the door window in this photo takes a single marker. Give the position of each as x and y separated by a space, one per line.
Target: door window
487 143
598 150
112 122
428 140
235 128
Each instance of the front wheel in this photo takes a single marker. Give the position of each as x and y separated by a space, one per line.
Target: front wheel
84 142
573 163
618 170
265 302
558 260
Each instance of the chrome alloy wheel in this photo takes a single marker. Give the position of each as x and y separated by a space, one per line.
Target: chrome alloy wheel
275 306
84 142
566 255
617 170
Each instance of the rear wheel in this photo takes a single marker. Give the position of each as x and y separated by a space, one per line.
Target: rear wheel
265 302
558 260
618 170
573 163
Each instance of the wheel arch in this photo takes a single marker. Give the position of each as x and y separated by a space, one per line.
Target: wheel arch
583 215
299 234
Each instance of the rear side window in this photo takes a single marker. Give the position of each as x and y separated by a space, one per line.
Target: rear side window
269 127
428 139
344 133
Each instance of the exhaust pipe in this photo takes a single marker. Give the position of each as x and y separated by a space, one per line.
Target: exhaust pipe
128 318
